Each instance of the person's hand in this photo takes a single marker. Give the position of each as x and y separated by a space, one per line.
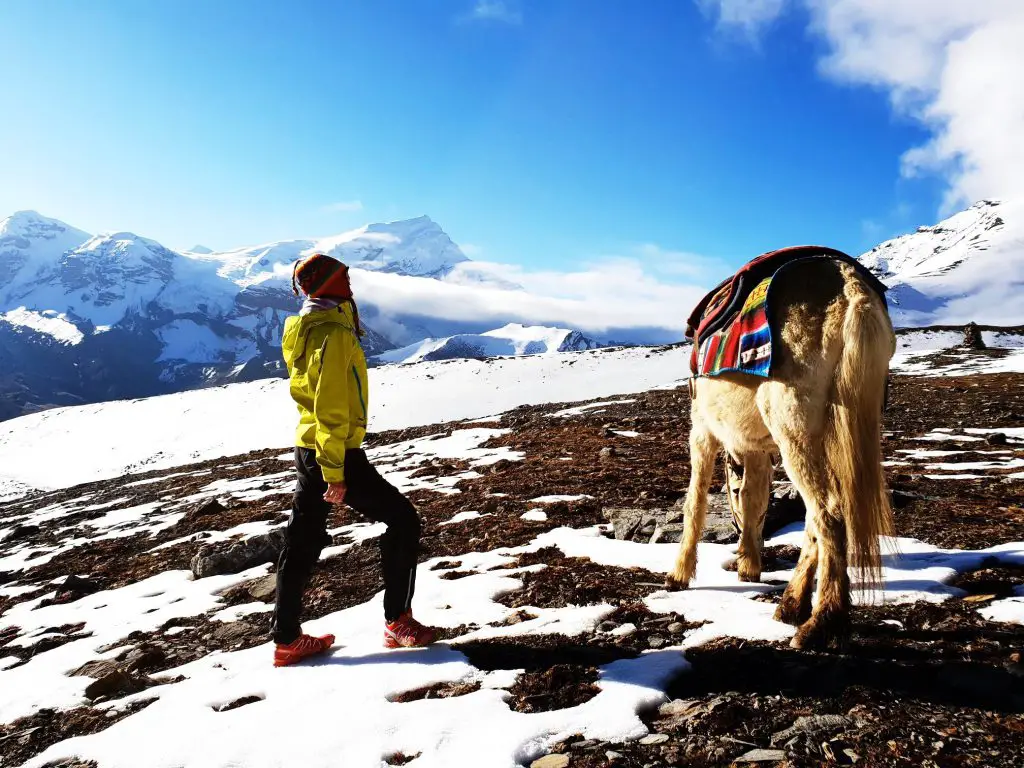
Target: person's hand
335 493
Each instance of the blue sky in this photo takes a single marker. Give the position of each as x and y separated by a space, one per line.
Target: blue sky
544 133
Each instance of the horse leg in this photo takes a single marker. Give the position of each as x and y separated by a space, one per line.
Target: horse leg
750 486
704 448
800 436
795 607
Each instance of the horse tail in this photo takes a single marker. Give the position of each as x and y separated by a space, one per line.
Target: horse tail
854 433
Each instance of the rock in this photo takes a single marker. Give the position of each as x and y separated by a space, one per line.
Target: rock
669 533
96 669
654 738
144 658
1014 665
79 584
761 756
676 628
655 641
74 588
997 438
113 683
660 526
233 557
972 337
611 756
551 761
208 508
783 511
232 632
22 532
263 589
676 707
585 744
607 454
624 521
718 525
812 725
606 626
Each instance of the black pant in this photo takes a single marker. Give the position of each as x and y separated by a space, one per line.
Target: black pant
370 495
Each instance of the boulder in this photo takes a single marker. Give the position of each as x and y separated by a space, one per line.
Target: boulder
263 589
208 508
237 556
972 337
116 682
551 761
660 526
19 532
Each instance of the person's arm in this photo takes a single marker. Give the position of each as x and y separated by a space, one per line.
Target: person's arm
330 408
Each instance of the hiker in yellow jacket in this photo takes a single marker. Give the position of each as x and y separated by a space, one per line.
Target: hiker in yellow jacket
328 382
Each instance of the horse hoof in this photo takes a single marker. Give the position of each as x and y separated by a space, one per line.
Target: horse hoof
672 584
790 612
751 578
817 635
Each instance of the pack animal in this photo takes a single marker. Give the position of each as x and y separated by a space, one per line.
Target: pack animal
820 409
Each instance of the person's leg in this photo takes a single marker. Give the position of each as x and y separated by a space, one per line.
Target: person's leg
305 537
375 498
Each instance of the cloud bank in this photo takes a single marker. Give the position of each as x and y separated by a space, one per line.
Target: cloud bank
953 65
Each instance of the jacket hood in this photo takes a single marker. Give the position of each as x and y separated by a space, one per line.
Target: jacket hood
297 328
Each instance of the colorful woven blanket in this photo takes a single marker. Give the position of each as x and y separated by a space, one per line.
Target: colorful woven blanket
731 326
745 344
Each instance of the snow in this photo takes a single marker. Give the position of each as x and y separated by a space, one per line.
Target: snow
461 517
30 246
109 615
475 729
190 341
413 247
1009 609
536 515
966 268
238 418
510 340
915 363
49 323
559 497
580 410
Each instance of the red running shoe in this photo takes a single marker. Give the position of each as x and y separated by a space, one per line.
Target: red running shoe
300 648
406 632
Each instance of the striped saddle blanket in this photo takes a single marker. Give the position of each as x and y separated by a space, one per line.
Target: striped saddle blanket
731 326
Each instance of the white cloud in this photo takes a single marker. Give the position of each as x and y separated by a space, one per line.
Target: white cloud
645 297
949 64
496 10
345 206
650 291
749 15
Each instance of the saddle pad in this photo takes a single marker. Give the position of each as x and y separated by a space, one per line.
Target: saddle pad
745 344
730 326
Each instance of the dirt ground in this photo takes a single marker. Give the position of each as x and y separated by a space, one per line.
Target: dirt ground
930 684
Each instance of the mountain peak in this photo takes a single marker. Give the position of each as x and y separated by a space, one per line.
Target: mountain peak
30 223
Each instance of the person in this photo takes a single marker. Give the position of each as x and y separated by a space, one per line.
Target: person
328 382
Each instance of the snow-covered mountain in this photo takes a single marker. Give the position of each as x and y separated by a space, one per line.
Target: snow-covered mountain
969 267
413 247
86 318
512 340
30 245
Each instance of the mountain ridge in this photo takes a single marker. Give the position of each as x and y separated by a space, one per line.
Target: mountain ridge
129 317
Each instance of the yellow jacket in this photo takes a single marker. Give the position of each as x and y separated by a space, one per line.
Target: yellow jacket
327 373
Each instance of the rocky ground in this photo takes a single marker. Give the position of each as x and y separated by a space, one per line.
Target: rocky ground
920 684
